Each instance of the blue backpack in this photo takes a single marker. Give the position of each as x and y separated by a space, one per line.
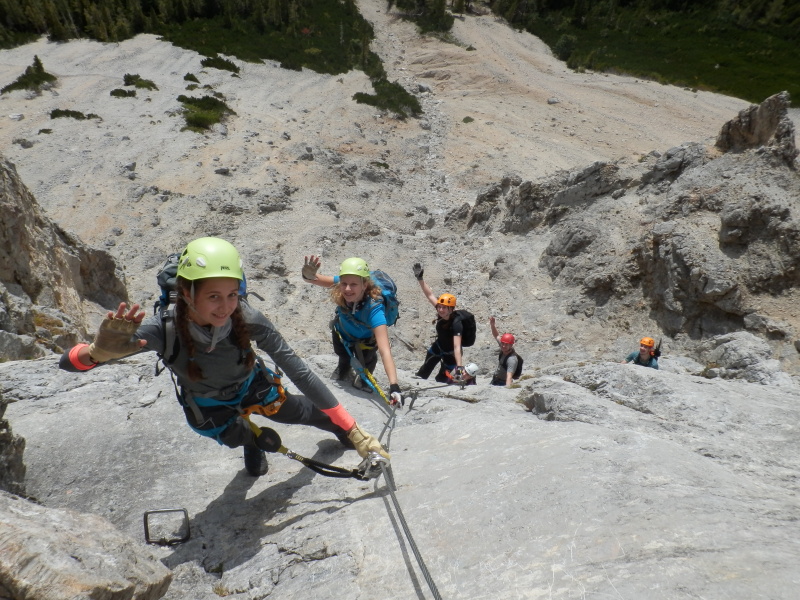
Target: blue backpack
391 304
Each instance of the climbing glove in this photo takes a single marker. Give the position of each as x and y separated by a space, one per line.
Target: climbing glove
114 339
310 268
366 443
396 395
418 271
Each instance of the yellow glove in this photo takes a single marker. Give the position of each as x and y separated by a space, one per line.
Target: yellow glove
366 443
114 340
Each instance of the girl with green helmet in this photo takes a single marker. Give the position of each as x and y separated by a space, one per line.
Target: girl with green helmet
218 376
359 329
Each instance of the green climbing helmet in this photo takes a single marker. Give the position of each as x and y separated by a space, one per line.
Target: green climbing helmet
354 266
209 257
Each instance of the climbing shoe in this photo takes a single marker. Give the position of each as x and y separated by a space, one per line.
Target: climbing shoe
341 373
255 461
361 385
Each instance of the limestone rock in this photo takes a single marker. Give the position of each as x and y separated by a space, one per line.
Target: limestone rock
46 275
12 467
765 124
56 554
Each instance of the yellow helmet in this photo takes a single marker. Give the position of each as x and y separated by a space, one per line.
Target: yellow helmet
210 257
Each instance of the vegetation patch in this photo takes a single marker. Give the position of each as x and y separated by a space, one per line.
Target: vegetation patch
137 82
191 77
429 15
120 93
202 113
327 36
746 48
217 62
390 96
34 78
59 113
41 131
467 120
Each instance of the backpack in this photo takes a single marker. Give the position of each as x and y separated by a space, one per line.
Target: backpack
468 327
518 370
391 304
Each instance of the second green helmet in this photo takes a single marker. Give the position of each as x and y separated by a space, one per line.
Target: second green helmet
354 266
209 257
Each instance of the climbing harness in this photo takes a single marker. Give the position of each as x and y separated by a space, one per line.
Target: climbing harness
357 362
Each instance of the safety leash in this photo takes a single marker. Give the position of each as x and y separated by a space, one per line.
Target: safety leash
366 470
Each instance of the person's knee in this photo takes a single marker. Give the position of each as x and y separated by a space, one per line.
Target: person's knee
236 434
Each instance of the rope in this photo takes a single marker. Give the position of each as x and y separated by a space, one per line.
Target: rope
390 484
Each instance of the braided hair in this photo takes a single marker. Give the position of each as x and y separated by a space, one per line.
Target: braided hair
240 331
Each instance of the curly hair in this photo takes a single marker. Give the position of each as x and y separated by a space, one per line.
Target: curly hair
373 291
241 334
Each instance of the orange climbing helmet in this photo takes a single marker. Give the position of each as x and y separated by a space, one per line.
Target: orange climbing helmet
646 341
447 300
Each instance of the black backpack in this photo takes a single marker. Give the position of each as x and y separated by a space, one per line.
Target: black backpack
518 370
469 328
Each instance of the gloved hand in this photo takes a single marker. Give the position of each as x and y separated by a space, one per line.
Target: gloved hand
269 440
395 395
459 373
366 443
310 267
114 339
418 271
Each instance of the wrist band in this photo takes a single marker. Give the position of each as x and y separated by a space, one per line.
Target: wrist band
76 362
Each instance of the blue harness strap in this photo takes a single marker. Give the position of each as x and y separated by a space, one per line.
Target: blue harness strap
275 392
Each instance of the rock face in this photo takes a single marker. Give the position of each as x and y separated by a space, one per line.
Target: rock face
627 234
53 554
597 479
47 276
12 468
765 124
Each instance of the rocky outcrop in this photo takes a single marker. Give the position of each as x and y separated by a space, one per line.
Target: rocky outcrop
45 275
766 124
638 235
53 554
12 469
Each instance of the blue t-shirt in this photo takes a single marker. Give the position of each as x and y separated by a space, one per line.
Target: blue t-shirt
358 322
636 359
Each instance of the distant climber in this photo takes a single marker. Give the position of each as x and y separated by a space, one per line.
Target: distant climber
509 365
360 328
219 376
647 356
446 351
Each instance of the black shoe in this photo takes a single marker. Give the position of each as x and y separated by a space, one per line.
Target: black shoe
255 461
341 373
443 379
361 385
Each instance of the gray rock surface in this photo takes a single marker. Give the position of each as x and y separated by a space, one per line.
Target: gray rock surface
631 480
